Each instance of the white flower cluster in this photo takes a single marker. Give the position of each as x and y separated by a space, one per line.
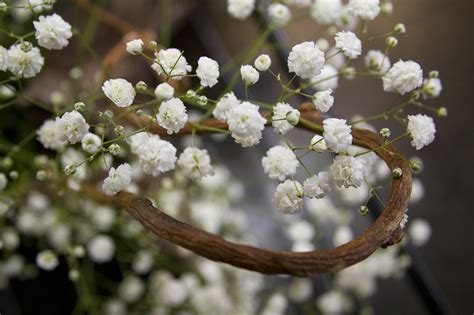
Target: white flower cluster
119 179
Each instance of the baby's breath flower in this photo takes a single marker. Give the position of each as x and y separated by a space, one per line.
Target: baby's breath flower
279 14
403 77
135 46
347 171
195 163
249 75
306 60
375 60
323 100
431 88
119 91
49 137
207 71
52 32
349 44
246 124
280 162
327 79
141 86
119 179
400 28
422 130
164 91
365 9
337 134
326 12
172 115
288 197
391 41
318 144
91 143
240 9
156 156
284 117
419 232
47 260
101 249
171 63
317 186
224 106
263 63
114 149
71 127
24 63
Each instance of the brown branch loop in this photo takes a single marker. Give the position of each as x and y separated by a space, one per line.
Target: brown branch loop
385 231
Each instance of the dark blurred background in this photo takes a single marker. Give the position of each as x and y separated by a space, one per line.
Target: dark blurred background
440 36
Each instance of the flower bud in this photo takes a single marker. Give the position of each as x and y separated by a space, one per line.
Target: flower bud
119 130
191 94
74 274
26 46
416 164
153 44
293 117
400 29
114 149
3 7
349 73
363 210
70 169
80 106
386 8
78 251
141 86
108 114
442 112
13 174
397 172
385 133
41 175
391 41
263 63
202 100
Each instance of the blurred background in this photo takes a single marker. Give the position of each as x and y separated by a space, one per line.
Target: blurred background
440 36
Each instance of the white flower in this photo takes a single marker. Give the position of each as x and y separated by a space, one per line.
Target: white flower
306 60
103 217
240 9
164 91
347 171
3 59
246 124
39 6
280 162
327 79
337 134
48 135
3 181
143 262
263 63
101 249
47 260
195 163
419 232
171 63
318 144
417 191
422 130
131 289
119 91
172 115
365 9
224 106
279 14
207 71
52 32
403 77
349 44
432 88
301 231
404 220
249 75
140 139
326 12
284 117
119 179
135 46
342 235
317 186
24 63
156 156
288 197
71 127
377 61
323 100
91 143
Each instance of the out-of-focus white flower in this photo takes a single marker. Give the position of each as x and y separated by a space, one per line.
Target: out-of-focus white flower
224 106
119 91
417 191
114 307
164 91
326 12
347 171
403 77
135 46
47 260
306 60
246 124
10 239
171 63
323 100
365 9
119 179
72 127
327 79
301 231
249 75
172 115
24 60
422 130
101 248
419 232
240 9
91 143
195 163
349 44
288 197
52 32
263 63
48 135
334 302
342 235
432 88
280 162
103 218
337 134
143 262
207 71
317 186
376 60
284 117
300 290
276 305
279 14
131 289
299 3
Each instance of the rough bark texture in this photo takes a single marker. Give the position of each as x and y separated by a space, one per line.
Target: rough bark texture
383 232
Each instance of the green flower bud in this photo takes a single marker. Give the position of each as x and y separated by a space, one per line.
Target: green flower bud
397 172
